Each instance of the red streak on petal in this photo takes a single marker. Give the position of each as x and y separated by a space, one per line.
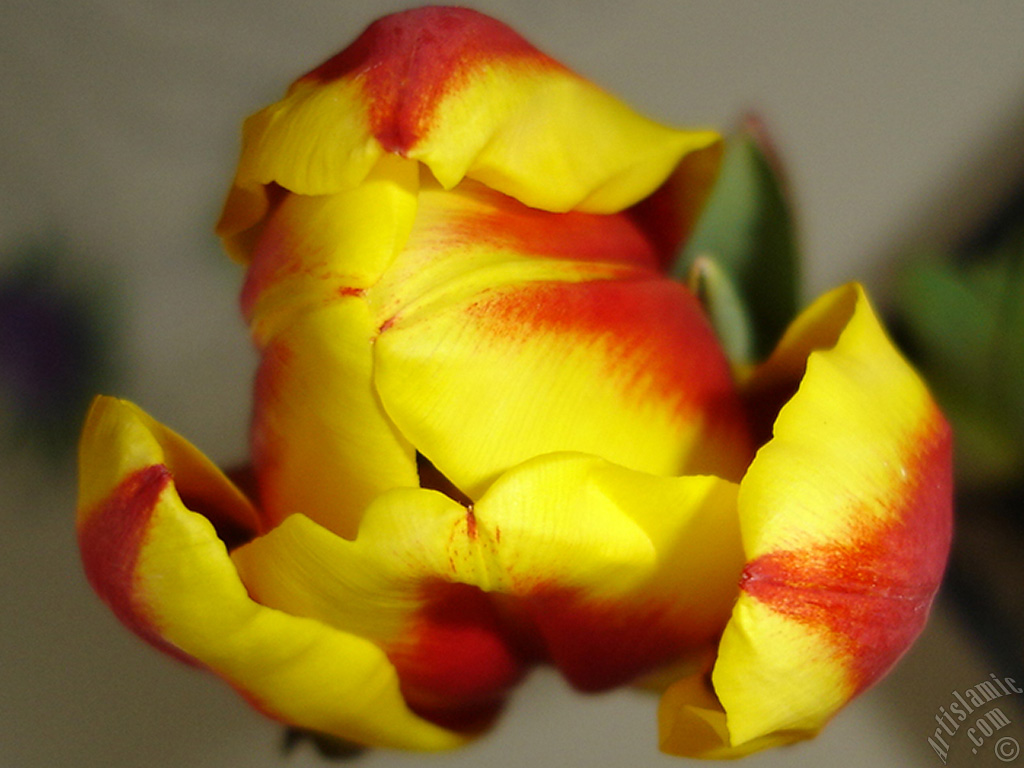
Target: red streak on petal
602 646
411 61
277 257
288 253
110 540
656 341
504 223
456 664
871 597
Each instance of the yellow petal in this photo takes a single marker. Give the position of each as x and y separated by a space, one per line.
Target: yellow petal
509 332
692 722
137 437
554 142
469 98
464 232
168 577
322 444
395 585
846 520
621 572
623 369
313 249
611 574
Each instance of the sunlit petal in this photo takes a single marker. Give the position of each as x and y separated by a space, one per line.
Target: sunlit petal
469 98
167 575
322 443
846 519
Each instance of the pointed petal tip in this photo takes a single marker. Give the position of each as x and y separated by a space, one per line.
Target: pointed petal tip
166 573
846 515
469 98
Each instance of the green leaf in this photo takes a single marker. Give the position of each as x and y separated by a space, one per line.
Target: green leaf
950 324
722 303
966 327
747 230
1002 281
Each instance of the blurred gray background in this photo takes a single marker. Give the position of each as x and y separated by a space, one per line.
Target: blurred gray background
900 124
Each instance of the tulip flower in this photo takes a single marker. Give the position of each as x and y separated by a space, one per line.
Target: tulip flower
490 431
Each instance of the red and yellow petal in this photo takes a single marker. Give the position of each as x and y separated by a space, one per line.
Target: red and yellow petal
322 444
396 586
608 573
846 521
313 249
624 369
167 575
622 573
128 440
460 231
467 97
498 344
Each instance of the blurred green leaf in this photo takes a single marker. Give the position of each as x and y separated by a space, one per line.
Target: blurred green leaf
722 303
747 230
965 325
949 322
988 454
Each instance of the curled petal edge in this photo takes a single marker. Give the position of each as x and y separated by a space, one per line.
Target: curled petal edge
846 523
650 582
474 102
167 576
